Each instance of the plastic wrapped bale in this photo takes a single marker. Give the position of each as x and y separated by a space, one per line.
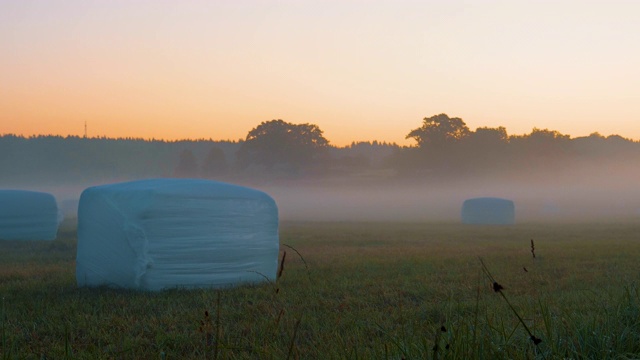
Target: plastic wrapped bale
488 211
28 215
166 233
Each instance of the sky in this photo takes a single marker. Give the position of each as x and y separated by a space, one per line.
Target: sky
360 70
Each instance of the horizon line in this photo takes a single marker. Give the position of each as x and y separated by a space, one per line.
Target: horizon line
240 140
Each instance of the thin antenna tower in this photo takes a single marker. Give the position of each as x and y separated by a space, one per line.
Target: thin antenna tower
85 129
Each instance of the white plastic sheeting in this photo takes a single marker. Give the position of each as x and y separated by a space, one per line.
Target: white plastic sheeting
164 233
28 215
488 211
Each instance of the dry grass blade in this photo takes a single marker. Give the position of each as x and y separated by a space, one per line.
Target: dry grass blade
4 339
494 284
300 255
263 276
217 341
284 256
533 249
498 288
279 316
293 338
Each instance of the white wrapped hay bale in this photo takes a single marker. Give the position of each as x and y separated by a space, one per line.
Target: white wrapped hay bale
488 211
28 215
164 233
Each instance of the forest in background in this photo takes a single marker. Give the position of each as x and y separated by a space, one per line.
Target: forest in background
275 150
549 175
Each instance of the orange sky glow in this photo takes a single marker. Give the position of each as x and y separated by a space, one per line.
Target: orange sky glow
360 70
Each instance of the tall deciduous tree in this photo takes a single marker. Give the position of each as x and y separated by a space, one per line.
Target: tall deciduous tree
187 165
438 130
278 142
215 163
490 136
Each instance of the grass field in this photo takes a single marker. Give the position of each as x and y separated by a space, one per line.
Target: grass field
358 291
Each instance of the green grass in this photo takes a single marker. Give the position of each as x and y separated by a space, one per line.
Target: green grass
364 291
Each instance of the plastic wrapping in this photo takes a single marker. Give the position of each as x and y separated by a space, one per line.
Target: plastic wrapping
28 215
164 233
488 211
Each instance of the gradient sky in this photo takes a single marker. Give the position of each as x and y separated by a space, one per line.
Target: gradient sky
361 70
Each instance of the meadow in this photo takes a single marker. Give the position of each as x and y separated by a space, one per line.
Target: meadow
352 290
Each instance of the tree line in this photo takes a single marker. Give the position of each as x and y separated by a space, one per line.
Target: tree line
445 148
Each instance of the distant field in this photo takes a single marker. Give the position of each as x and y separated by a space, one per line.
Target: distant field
364 291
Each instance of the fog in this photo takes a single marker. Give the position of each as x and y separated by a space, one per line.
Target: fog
429 203
580 193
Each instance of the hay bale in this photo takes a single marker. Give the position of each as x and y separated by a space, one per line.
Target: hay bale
488 211
28 215
164 233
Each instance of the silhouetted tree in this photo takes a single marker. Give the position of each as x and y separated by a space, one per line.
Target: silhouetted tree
187 165
277 142
438 130
539 152
487 135
215 163
440 153
546 135
486 150
541 142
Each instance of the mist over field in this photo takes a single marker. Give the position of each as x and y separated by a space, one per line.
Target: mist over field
575 194
548 175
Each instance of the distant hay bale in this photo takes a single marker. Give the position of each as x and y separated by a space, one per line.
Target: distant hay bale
166 233
28 215
488 211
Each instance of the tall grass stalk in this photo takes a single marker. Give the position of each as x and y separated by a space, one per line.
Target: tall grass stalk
5 352
216 344
476 316
293 338
499 289
67 345
299 255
